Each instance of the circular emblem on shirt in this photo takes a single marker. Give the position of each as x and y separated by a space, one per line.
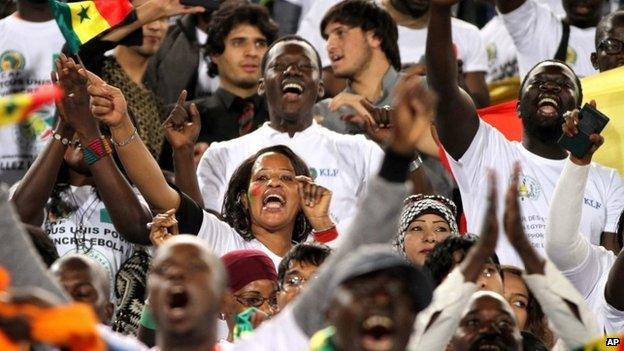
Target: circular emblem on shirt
571 56
529 188
313 173
11 61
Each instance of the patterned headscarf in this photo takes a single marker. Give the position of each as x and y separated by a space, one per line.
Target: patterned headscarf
420 204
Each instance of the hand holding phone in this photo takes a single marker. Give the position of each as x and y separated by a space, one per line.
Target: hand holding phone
576 138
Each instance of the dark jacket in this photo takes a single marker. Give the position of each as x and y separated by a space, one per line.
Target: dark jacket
174 67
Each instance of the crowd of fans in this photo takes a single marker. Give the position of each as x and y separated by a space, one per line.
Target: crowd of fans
310 175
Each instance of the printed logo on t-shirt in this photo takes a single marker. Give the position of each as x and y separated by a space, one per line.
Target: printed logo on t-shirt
571 56
12 61
323 172
529 188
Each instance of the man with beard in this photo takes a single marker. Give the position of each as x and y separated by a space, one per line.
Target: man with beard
291 82
459 318
539 34
412 16
550 89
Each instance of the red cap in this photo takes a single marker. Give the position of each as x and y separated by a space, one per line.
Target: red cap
246 266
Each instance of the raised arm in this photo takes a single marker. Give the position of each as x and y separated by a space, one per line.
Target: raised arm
35 188
373 223
457 121
182 129
436 324
127 213
567 312
109 106
148 12
565 245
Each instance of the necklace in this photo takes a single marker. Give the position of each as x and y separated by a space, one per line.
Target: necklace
82 244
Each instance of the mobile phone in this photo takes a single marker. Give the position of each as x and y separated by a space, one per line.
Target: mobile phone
208 4
591 121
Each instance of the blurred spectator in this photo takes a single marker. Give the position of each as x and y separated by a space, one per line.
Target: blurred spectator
609 42
540 35
29 41
181 62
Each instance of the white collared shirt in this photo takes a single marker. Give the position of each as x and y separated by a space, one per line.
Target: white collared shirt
341 163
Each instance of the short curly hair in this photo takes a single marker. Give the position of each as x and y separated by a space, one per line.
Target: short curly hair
440 261
231 14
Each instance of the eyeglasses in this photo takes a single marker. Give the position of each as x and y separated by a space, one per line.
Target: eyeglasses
611 46
294 282
256 300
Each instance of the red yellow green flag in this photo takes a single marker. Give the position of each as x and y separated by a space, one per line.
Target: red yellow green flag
84 20
17 107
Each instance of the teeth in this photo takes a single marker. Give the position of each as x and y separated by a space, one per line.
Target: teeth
295 86
378 321
548 100
274 196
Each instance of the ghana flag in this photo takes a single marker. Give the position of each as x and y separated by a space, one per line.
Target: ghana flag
84 20
17 107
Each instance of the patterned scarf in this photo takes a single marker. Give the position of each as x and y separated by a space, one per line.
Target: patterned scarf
416 205
321 340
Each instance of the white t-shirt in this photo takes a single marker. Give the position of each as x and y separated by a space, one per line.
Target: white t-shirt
89 230
27 52
222 238
501 51
590 278
537 32
341 163
412 42
603 199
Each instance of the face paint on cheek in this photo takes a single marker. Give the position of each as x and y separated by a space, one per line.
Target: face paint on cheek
254 192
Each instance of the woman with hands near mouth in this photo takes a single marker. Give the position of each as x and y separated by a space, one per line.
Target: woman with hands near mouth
271 201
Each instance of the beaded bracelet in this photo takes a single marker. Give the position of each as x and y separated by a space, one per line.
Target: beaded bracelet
58 137
96 149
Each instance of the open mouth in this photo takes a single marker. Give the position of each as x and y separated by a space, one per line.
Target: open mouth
273 201
292 90
378 333
177 302
548 106
582 10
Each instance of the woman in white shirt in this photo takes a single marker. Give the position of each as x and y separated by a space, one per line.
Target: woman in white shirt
271 202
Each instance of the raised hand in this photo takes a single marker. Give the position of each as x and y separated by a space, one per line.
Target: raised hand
512 218
163 227
108 103
169 8
413 111
183 125
489 232
570 128
74 107
315 201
